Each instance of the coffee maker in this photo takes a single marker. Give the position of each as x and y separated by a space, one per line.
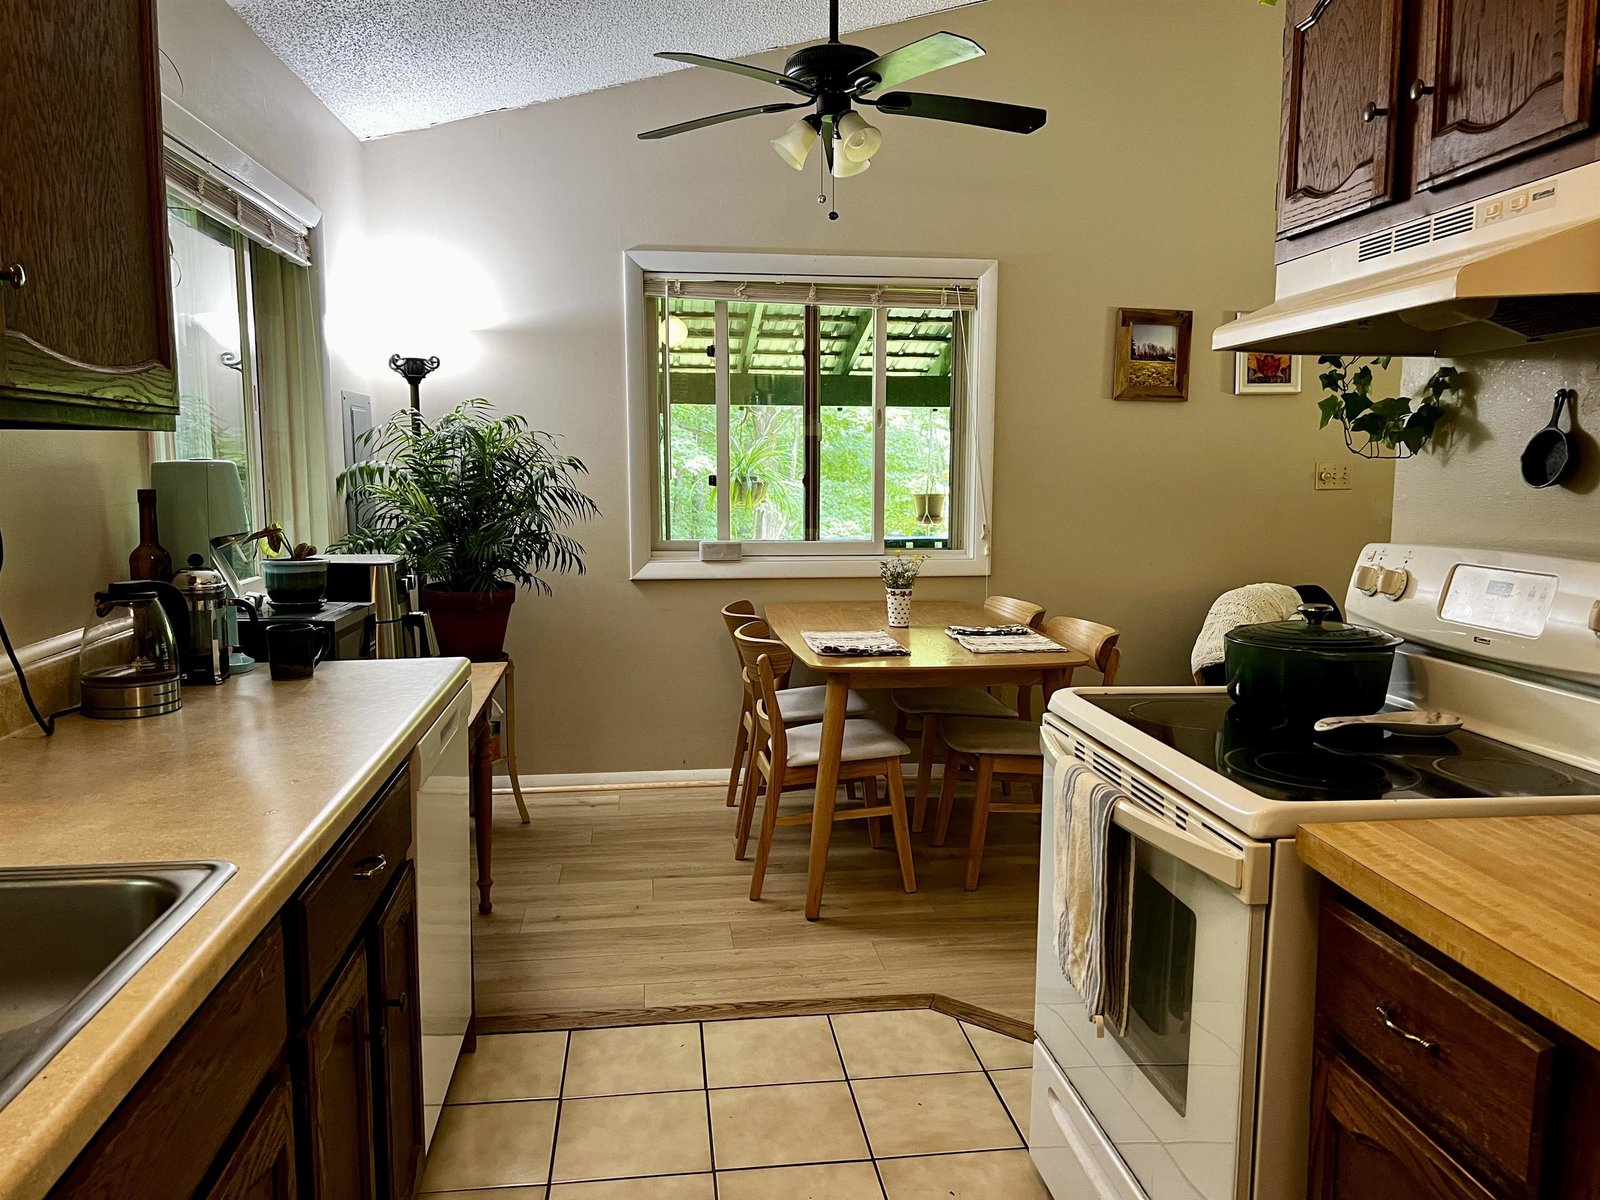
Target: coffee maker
400 629
207 650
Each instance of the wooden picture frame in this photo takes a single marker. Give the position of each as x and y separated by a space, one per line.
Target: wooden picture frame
1152 354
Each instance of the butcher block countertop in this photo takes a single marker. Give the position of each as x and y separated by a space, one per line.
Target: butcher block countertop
264 775
1515 900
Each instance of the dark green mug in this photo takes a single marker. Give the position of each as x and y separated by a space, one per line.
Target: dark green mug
294 650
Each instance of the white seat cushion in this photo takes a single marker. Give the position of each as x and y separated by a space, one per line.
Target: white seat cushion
803 705
980 735
863 740
950 702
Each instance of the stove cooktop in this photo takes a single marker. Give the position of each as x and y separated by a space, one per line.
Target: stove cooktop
1289 763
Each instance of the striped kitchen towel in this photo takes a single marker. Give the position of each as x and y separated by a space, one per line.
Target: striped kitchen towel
1093 894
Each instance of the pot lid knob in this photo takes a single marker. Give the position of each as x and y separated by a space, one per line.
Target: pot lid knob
1316 614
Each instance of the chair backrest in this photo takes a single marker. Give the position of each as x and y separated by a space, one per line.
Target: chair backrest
1019 612
769 717
754 640
740 612
1098 642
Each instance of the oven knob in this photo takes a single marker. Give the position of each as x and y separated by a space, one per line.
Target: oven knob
1392 584
1366 581
1594 617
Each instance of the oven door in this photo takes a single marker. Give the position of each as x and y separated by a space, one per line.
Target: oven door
1172 1098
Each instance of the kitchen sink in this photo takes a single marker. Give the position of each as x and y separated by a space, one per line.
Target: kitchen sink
70 937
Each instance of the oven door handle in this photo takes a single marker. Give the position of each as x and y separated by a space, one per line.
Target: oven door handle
1225 867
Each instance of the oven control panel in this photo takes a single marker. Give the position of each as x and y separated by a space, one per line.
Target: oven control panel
1493 598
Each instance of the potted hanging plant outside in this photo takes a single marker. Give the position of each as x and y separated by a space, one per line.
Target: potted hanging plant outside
479 505
928 499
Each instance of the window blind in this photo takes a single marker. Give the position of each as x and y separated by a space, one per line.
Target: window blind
958 296
260 224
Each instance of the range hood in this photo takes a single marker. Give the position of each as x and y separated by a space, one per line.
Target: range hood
1519 267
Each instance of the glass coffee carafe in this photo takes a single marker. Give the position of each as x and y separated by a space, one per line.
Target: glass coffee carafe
129 662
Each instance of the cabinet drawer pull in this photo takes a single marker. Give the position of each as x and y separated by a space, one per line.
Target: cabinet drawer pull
1373 111
401 1002
14 274
369 868
1418 90
1405 1035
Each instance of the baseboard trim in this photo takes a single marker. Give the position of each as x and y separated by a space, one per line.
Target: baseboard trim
534 1022
634 781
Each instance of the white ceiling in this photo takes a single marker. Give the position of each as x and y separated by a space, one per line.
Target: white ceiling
384 66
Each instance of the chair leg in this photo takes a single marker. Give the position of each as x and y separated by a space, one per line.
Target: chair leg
980 821
928 749
902 826
740 753
510 747
747 806
947 797
769 824
874 824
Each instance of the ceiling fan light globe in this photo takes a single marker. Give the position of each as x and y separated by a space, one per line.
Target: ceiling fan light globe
843 165
859 140
794 146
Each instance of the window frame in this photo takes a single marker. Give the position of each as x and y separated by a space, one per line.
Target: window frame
648 559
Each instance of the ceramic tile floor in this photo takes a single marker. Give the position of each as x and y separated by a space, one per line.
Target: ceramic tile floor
906 1105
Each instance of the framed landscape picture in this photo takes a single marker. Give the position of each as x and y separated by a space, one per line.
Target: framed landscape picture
1152 354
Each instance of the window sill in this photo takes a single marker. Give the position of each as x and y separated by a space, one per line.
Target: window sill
822 566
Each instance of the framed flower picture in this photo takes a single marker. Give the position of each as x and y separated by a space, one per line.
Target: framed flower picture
1258 373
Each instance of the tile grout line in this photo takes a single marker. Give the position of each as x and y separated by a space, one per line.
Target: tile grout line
989 1075
872 1155
705 1078
561 1103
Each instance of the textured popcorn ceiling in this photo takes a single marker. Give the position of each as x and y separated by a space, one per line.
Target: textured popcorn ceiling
384 66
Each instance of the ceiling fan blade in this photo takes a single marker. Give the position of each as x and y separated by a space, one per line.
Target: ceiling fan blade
932 53
737 68
719 118
991 114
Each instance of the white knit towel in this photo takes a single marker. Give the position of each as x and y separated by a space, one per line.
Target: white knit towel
1252 604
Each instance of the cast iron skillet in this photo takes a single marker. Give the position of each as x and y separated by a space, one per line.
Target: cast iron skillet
1552 452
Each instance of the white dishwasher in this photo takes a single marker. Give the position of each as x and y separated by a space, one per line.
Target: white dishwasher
444 906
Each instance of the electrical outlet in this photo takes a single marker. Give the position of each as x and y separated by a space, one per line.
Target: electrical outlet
1333 477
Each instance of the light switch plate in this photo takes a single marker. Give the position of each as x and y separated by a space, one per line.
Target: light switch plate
1333 477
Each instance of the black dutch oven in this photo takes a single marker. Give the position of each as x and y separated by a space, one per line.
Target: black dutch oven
1308 668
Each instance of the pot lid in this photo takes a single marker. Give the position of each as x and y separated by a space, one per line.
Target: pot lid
1312 630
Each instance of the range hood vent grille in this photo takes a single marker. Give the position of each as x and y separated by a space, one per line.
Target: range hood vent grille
1548 316
1418 233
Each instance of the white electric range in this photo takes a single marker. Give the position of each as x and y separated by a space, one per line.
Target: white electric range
1206 1097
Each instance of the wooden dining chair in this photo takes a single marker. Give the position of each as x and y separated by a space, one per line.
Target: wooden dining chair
934 705
995 750
797 705
740 612
787 758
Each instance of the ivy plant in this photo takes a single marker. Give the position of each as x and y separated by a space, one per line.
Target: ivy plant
1399 423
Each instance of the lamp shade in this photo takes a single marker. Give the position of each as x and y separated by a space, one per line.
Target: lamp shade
843 165
859 140
794 147
674 332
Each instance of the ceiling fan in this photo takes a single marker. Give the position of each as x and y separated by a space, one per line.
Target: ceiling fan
834 77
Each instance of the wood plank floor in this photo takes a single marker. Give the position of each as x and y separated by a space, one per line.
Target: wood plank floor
633 900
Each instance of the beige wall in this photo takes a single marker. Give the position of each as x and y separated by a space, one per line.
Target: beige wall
67 503
1470 491
1151 187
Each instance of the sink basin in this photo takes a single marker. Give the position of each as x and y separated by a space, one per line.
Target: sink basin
71 937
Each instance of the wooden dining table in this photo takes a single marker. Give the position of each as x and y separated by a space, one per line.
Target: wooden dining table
936 660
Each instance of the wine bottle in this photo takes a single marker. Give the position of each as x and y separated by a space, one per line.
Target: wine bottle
149 559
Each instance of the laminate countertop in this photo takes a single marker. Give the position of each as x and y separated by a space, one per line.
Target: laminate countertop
1515 900
264 775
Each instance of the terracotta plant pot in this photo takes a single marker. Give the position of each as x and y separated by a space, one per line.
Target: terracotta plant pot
471 624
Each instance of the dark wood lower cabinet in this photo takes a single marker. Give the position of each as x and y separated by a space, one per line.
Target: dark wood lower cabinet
1364 1148
262 1165
339 1093
399 1025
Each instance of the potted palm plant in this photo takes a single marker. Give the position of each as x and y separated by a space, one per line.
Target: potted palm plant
479 504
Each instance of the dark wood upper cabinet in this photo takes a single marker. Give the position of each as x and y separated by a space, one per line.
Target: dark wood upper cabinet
339 1094
398 1020
85 323
1341 88
1498 78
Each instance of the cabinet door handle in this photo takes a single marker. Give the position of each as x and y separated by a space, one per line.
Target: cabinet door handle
1373 111
1405 1035
401 1002
14 274
369 868
1418 90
